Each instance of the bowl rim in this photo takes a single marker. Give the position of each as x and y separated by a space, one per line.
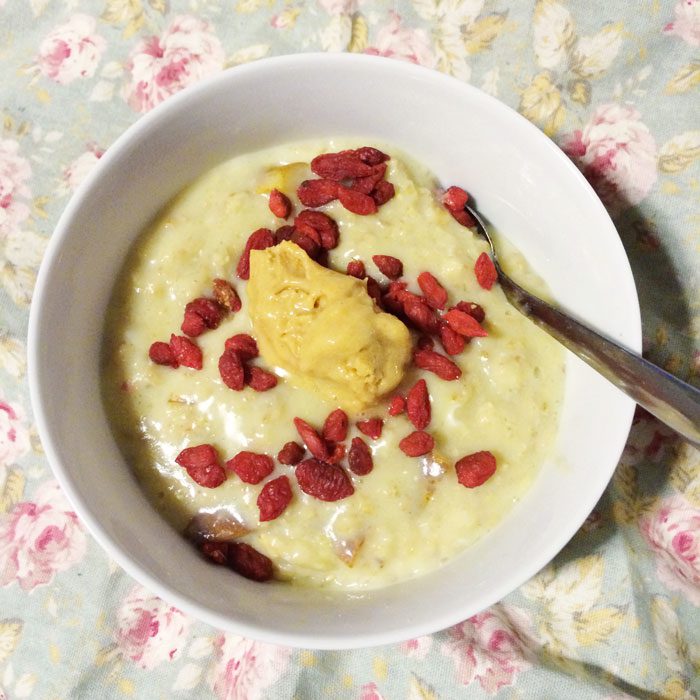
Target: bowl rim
49 439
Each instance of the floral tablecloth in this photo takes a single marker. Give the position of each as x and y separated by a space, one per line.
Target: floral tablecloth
616 85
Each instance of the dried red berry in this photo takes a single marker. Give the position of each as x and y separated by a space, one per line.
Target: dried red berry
374 290
284 233
251 467
397 406
443 367
463 217
425 341
338 166
307 244
338 453
416 444
335 428
464 324
452 341
372 427
186 352
434 292
356 268
258 240
291 453
308 231
226 295
360 457
243 344
327 482
356 202
259 379
367 184
382 192
280 205
485 271
418 405
475 469
421 316
202 465
232 370
247 561
388 265
162 354
474 310
198 456
371 155
192 323
316 193
208 310
324 225
313 441
210 477
455 198
216 551
274 497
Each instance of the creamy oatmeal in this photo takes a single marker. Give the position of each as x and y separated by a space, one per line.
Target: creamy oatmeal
408 515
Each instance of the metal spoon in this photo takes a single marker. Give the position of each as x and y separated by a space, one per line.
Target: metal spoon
672 401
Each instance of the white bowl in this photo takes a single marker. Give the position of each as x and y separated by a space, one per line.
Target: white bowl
524 185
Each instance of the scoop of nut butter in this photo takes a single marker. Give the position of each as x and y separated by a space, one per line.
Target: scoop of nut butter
322 328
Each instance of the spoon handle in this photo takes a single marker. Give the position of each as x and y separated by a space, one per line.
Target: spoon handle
671 400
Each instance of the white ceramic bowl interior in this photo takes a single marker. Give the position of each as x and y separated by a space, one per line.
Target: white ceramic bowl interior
523 184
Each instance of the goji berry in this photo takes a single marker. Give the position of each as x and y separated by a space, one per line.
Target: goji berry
388 265
338 166
454 198
382 192
432 361
372 427
374 290
216 551
259 379
463 217
475 469
243 344
393 298
356 268
326 482
307 244
198 456
309 232
418 405
186 352
417 444
313 441
258 240
337 454
316 193
371 155
425 341
356 202
247 561
208 311
251 467
367 184
274 497
464 324
360 457
452 341
226 295
397 406
485 271
474 310
421 316
335 428
232 370
284 233
434 292
324 225
280 205
162 354
291 453
210 476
